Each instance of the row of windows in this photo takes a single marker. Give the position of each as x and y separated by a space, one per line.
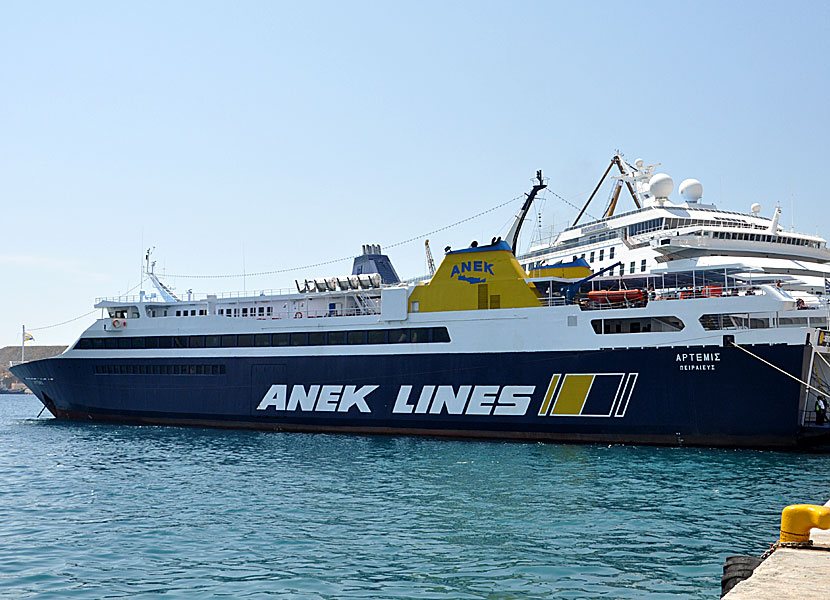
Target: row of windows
758 237
192 312
415 335
645 226
261 311
601 254
159 369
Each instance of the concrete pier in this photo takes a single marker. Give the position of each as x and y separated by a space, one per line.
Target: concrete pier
790 573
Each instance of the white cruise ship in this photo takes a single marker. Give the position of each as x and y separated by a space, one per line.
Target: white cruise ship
661 237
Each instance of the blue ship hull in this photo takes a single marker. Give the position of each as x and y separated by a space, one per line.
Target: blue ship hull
678 396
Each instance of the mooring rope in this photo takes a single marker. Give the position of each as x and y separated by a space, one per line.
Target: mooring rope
777 368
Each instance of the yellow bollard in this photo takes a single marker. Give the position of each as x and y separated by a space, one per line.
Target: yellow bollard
798 519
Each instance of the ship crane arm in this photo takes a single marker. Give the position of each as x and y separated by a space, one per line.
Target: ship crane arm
512 237
625 171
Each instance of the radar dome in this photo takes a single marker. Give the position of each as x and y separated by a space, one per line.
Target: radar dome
755 208
639 163
661 185
691 190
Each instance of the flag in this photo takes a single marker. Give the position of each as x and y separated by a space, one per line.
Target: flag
29 338
826 286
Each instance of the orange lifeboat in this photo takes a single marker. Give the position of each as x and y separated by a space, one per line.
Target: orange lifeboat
617 296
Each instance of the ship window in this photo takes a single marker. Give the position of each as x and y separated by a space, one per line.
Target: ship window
228 341
420 335
261 311
376 336
440 334
97 343
84 344
151 342
611 252
601 253
637 325
180 341
316 338
212 341
178 313
337 338
221 369
356 337
591 257
269 310
262 339
202 311
245 340
244 312
631 269
165 342
192 369
298 339
197 341
156 369
221 311
214 369
137 343
123 343
643 265
193 313
713 322
279 339
398 336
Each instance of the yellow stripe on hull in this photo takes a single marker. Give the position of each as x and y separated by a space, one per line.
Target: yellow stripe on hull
572 396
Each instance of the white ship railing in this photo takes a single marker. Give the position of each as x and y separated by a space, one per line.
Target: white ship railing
199 297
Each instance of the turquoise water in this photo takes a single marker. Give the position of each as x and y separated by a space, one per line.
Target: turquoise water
102 511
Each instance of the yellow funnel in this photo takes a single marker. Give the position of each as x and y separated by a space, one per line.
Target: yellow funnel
798 519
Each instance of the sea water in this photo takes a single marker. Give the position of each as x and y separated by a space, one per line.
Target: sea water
106 511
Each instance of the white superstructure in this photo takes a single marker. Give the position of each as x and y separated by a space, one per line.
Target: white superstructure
663 236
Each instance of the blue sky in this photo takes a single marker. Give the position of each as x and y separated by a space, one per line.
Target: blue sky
271 135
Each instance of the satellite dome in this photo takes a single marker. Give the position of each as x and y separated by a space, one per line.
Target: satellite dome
691 190
639 163
755 208
661 185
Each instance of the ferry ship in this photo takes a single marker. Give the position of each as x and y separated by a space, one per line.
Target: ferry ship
485 348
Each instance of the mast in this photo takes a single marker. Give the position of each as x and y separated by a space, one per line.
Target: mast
23 345
166 293
512 237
